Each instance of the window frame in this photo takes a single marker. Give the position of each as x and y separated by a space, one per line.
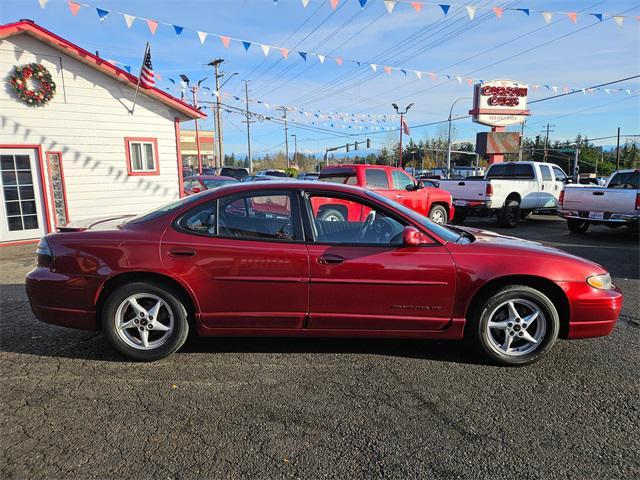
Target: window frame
128 141
558 179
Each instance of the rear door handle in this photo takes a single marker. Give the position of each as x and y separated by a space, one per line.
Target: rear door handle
330 259
182 252
598 193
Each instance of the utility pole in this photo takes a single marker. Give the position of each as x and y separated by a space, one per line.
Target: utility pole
402 114
248 122
286 135
448 167
194 89
216 66
576 168
521 141
618 151
546 143
295 147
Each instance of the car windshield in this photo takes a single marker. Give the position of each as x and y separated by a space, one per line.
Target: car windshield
443 232
217 183
168 208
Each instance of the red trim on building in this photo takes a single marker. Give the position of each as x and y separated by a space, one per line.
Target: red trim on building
497 111
31 28
64 187
154 141
176 124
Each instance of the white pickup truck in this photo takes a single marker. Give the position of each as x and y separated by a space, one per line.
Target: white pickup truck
510 191
614 205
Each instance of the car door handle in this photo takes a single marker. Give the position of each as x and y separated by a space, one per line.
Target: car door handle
399 196
182 252
461 184
330 259
542 187
598 193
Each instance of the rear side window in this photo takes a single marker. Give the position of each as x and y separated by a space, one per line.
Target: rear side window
511 171
625 180
200 220
546 173
376 179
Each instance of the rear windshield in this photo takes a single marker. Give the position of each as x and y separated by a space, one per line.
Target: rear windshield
346 176
511 170
217 183
625 180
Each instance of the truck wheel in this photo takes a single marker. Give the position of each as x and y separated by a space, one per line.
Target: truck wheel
577 226
525 213
510 214
331 215
438 214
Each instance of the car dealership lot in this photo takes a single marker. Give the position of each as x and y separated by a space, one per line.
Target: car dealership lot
231 408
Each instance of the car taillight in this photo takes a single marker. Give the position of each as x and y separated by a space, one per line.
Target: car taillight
44 253
637 201
489 190
561 199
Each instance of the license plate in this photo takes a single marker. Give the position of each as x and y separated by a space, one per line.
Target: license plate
596 215
459 203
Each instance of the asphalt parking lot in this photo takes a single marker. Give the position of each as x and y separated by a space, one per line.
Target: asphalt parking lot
305 408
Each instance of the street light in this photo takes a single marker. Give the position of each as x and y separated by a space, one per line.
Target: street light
448 170
295 148
402 114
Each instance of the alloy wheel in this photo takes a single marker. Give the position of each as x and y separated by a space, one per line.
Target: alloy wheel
516 327
144 321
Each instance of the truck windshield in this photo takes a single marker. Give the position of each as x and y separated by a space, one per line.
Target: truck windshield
443 232
511 171
346 176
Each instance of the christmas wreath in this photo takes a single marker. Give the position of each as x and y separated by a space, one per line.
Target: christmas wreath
33 75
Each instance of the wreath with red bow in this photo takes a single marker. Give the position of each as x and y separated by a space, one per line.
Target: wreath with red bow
24 77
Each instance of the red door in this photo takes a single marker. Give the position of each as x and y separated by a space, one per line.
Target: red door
416 200
362 277
248 268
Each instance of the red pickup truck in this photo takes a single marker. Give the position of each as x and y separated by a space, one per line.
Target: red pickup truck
391 182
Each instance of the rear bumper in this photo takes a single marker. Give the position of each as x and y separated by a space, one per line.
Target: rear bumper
65 300
608 217
593 312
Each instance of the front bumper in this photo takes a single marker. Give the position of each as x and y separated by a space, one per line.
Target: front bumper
65 300
607 217
593 312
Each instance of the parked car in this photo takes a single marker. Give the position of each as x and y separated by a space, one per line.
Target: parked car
308 176
234 172
614 205
509 191
200 183
273 173
214 263
263 178
429 182
391 182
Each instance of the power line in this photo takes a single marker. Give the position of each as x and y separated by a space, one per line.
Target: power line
588 88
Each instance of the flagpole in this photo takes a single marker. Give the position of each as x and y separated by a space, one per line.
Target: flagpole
135 97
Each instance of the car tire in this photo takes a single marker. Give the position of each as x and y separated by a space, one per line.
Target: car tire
438 214
577 226
331 215
134 304
494 313
459 216
510 214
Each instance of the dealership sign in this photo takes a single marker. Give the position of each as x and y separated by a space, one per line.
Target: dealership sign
499 103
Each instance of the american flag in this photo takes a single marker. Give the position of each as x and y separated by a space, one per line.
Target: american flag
146 72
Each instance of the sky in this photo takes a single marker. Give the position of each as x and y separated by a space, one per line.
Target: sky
515 46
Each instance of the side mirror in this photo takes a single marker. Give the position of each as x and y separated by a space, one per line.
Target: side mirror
416 186
412 237
196 190
568 180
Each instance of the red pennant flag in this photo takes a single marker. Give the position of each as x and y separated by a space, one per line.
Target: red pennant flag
153 26
74 7
470 81
339 61
433 76
285 53
498 11
573 17
334 3
405 127
417 6
225 40
387 69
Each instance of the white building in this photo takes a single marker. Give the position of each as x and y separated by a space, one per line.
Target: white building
82 154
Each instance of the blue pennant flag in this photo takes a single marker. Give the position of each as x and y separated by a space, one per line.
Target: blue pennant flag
246 46
303 55
597 15
449 77
127 68
259 101
525 10
172 81
445 8
102 14
236 98
178 30
404 71
548 87
359 64
362 3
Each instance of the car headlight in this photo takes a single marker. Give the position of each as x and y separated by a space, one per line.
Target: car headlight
602 282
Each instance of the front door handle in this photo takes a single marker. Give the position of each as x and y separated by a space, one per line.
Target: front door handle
399 196
182 252
330 259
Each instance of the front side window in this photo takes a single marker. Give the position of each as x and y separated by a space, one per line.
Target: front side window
337 220
560 175
546 173
257 216
142 156
401 180
376 179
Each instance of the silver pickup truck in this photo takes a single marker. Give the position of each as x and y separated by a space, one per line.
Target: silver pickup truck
614 205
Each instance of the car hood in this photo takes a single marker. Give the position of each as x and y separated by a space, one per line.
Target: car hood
110 222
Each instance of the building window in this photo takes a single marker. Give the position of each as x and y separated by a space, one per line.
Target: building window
142 156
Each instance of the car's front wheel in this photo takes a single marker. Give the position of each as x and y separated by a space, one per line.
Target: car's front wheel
145 321
515 326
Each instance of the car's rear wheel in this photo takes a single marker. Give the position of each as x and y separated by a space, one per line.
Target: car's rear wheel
438 214
145 321
577 226
515 326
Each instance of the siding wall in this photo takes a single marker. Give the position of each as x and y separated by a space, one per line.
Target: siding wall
87 121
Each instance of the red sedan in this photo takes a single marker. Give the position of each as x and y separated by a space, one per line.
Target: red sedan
255 259
200 183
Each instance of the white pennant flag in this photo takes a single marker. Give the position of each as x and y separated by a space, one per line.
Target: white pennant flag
321 58
618 19
265 49
584 91
305 3
607 91
459 80
216 93
202 36
43 3
628 90
555 89
471 11
128 19
547 17
374 67
390 5
419 75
